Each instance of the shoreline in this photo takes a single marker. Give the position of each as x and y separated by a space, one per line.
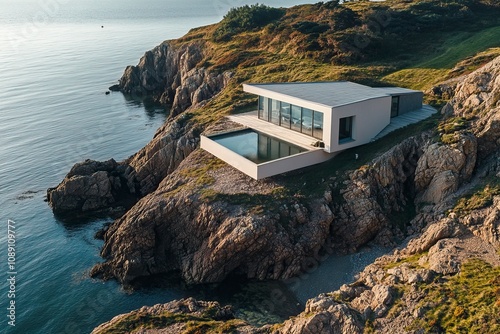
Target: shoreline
334 272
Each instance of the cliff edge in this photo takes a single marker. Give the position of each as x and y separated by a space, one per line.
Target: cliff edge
443 276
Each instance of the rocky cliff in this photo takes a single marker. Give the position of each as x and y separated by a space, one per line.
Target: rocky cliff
448 255
392 294
171 74
186 315
236 225
455 250
110 187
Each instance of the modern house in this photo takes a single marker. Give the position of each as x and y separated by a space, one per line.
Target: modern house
301 124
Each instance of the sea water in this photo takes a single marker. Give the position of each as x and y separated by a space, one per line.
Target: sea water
57 60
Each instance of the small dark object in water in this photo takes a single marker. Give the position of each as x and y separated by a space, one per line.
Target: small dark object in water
114 88
107 92
102 26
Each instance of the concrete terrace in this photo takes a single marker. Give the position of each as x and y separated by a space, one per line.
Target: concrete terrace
408 118
251 120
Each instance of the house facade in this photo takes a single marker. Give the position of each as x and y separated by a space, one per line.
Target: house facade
339 114
301 124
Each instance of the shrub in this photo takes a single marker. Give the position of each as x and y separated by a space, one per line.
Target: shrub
452 125
308 27
478 200
246 18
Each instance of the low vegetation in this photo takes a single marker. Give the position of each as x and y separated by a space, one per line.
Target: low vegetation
136 321
449 129
480 198
245 18
468 302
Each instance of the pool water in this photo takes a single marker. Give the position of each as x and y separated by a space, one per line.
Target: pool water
256 146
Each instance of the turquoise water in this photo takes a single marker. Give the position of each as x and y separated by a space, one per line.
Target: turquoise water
56 62
256 146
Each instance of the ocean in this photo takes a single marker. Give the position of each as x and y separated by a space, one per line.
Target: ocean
57 60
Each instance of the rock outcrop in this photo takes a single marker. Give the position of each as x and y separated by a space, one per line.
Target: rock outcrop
327 316
177 229
171 74
172 318
110 187
441 250
389 295
219 235
373 192
442 168
93 186
477 97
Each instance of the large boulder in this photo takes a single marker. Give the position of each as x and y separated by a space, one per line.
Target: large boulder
92 186
326 316
442 168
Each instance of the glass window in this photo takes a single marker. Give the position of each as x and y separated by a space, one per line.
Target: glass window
275 111
285 115
318 125
261 107
292 117
265 110
296 118
395 106
345 129
307 121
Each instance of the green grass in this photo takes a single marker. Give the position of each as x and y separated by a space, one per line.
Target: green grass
455 47
193 324
200 172
412 260
468 302
462 45
449 129
479 199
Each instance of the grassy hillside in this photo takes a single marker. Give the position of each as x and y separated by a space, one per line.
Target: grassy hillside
459 45
397 42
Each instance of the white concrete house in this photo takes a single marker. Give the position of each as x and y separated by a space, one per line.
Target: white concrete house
301 124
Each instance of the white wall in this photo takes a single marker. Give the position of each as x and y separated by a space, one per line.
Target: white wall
370 117
293 162
228 156
265 169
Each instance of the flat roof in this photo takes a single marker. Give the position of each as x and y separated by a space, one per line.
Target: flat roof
327 94
396 90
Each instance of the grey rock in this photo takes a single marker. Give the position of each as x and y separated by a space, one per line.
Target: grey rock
171 75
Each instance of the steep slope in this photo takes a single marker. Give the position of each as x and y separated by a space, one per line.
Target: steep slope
456 256
444 276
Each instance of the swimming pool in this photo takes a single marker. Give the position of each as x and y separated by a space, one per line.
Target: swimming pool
256 146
